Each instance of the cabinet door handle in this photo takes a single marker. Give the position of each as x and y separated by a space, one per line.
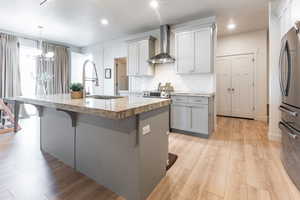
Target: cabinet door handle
199 101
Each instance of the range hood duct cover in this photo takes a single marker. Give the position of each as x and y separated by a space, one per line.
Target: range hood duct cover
164 56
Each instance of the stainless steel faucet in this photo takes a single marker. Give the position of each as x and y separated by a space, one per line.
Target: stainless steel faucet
84 79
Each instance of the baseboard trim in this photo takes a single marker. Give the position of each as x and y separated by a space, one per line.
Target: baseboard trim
201 135
262 118
274 136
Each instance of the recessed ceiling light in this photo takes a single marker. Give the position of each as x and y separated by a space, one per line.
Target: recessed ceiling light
231 26
154 4
104 21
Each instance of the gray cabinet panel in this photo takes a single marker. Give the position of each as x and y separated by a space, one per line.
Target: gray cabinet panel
57 135
107 153
153 148
180 117
191 114
199 116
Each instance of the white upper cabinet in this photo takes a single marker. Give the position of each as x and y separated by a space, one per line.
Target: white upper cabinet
195 51
133 59
185 52
139 51
203 51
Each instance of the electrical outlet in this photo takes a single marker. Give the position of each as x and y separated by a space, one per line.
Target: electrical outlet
146 129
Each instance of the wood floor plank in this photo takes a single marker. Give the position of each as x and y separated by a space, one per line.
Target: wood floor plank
257 194
236 163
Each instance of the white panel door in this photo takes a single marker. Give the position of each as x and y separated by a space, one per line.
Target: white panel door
185 52
223 71
203 47
133 59
243 86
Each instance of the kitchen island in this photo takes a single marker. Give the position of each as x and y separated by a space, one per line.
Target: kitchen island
120 143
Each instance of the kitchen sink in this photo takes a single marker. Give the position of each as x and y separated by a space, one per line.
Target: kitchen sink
104 97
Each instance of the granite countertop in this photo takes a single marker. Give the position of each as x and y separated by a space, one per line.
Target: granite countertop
120 108
193 94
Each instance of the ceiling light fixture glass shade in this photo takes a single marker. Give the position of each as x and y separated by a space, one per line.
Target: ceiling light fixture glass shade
49 54
154 4
231 26
104 21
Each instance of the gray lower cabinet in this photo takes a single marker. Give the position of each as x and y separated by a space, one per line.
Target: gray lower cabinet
192 115
199 119
180 117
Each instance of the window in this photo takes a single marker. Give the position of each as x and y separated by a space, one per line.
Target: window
27 71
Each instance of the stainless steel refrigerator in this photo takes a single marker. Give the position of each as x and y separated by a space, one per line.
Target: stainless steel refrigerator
290 107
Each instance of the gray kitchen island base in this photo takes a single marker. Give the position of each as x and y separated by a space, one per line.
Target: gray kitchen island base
123 155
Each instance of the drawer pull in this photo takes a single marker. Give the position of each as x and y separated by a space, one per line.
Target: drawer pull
288 130
292 135
288 111
197 100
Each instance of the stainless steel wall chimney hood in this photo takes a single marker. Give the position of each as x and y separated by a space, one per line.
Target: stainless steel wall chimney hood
164 56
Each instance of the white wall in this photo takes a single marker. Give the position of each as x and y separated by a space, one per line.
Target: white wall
77 60
274 91
163 73
251 42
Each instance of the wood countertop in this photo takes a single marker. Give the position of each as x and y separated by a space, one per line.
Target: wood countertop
120 108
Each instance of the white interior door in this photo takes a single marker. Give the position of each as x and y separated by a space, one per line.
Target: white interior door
235 86
223 69
242 86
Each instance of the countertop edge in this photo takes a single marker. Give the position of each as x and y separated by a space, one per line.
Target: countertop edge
116 115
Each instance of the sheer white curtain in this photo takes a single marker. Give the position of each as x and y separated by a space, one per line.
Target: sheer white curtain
10 83
9 66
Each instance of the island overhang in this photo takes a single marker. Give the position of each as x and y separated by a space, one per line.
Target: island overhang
120 108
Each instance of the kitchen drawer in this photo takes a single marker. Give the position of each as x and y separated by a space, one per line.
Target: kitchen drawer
179 100
198 100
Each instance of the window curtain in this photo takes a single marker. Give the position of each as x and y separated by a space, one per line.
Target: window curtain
9 66
55 72
10 82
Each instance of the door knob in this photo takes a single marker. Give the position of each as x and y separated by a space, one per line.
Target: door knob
232 89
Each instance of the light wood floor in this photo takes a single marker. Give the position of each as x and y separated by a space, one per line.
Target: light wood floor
237 163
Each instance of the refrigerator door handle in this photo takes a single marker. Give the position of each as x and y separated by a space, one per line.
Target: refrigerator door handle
289 65
288 111
281 66
288 130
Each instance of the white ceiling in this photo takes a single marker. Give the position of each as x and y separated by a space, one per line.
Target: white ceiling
77 22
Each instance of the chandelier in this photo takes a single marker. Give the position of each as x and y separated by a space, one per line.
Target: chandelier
39 52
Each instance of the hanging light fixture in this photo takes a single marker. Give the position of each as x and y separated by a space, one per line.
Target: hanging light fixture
49 55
